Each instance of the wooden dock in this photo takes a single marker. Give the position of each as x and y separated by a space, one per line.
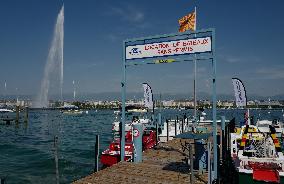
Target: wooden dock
165 164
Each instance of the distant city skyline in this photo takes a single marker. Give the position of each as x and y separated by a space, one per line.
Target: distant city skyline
248 39
139 95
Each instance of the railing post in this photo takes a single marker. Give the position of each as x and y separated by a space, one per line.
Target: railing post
178 125
27 114
175 127
191 164
167 121
157 133
222 140
2 181
97 153
187 123
209 161
157 127
182 125
56 158
17 113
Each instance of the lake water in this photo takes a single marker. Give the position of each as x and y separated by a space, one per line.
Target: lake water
27 153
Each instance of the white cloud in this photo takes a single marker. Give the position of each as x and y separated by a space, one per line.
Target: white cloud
275 72
238 59
128 13
233 60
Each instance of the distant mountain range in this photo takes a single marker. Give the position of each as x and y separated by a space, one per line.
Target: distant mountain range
139 95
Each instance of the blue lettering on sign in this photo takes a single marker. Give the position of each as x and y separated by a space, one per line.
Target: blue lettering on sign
135 51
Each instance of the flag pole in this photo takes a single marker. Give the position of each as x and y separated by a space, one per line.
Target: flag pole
194 81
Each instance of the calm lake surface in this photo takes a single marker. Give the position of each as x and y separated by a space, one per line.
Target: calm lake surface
27 151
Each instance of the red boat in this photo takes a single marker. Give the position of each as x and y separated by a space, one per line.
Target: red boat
112 155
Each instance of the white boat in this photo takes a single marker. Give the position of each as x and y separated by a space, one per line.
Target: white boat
144 121
176 127
72 111
257 151
4 110
116 111
137 110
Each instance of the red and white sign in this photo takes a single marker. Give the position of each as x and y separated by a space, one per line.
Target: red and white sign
170 48
136 133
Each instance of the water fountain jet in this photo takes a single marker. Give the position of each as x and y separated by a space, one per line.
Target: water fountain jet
54 64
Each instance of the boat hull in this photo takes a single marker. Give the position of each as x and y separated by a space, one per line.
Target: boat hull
248 178
109 160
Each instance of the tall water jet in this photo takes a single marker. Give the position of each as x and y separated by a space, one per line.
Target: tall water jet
54 64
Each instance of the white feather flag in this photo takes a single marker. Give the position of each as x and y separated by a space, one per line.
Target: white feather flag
240 92
148 96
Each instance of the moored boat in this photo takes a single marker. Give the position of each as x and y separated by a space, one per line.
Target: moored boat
257 152
111 155
4 110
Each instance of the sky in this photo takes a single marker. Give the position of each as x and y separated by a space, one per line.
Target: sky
249 44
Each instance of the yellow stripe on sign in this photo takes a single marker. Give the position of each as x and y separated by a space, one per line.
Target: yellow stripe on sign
164 61
273 136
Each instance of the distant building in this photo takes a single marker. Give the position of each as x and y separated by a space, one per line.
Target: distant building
269 103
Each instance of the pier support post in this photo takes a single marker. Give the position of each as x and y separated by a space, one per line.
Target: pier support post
97 153
157 133
182 125
191 164
27 114
222 140
17 113
137 142
209 161
158 123
157 128
187 124
123 97
160 118
2 181
56 158
167 121
178 125
214 111
175 127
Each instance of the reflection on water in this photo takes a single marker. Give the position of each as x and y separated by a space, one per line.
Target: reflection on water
27 152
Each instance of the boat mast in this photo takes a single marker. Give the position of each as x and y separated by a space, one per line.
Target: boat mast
74 91
5 92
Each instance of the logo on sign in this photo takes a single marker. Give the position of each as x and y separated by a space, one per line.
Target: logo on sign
135 51
135 133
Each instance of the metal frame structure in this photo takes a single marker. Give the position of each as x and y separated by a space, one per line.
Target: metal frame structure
211 56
